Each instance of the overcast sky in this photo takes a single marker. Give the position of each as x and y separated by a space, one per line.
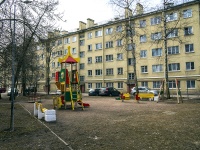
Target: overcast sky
80 10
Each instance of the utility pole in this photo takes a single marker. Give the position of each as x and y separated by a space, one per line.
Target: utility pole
165 49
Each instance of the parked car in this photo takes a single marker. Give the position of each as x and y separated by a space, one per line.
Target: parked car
108 91
93 92
2 90
144 89
15 92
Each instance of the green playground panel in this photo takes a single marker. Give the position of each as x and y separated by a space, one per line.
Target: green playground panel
68 96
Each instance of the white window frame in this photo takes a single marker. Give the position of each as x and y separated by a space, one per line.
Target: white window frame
120 71
74 39
89 35
172 16
144 69
109 84
98 85
120 85
82 66
82 42
73 50
89 72
130 76
156 84
157 68
119 28
98 72
120 56
143 38
174 67
156 20
89 85
130 61
142 23
143 53
98 33
109 71
190 66
89 60
173 50
98 59
172 33
67 40
98 46
82 54
187 13
109 31
156 36
109 44
188 30
119 42
109 57
90 47
189 48
157 52
190 84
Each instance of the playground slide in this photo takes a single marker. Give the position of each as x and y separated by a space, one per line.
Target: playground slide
58 85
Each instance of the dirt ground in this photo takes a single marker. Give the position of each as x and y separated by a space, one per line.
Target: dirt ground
108 124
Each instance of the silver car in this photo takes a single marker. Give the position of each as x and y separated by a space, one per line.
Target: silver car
144 89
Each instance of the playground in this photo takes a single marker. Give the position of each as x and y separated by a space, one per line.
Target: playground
107 124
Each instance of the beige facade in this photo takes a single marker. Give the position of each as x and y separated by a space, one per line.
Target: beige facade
106 56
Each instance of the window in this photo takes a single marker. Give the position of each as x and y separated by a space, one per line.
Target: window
130 47
53 75
174 67
89 72
144 83
82 78
143 38
74 39
98 72
98 85
65 51
73 50
119 28
82 42
67 40
109 71
120 56
53 54
119 70
59 53
157 52
82 66
156 84
89 60
89 35
130 76
187 13
130 61
109 84
98 59
59 42
155 20
157 68
142 23
109 57
82 54
119 42
189 65
172 33
98 46
120 85
190 84
53 64
58 64
53 43
188 31
189 48
172 84
171 17
144 69
156 36
173 50
89 85
143 53
109 44
109 31
90 47
98 33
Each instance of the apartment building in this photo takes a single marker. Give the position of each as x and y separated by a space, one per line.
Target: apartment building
105 49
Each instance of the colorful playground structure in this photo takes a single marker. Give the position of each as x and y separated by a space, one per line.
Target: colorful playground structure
67 80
